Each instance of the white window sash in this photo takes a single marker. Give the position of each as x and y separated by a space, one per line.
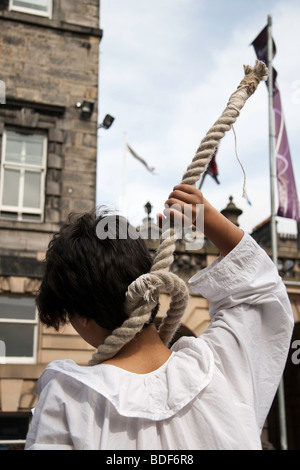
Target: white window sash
21 210
26 166
23 359
18 320
32 11
23 167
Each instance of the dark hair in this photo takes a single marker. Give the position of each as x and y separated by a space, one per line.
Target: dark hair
87 275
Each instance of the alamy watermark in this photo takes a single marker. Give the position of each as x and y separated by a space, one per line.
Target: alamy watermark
2 92
296 354
191 234
2 352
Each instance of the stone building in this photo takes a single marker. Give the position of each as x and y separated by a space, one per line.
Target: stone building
49 53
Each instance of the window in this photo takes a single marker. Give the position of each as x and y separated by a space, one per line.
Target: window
13 430
22 179
18 329
34 7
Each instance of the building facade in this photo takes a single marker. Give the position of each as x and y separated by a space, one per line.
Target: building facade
49 52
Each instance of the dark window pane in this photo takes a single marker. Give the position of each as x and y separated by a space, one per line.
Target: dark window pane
17 308
13 427
18 339
8 215
33 217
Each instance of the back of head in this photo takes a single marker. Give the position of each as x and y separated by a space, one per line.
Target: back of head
88 272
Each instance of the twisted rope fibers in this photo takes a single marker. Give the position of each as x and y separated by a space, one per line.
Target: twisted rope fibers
143 294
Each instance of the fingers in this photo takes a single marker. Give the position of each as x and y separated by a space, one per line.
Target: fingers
186 194
182 206
184 199
170 214
189 188
178 217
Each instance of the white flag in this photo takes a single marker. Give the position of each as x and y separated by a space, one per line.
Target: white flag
135 155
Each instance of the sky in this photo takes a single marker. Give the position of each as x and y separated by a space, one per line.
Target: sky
167 69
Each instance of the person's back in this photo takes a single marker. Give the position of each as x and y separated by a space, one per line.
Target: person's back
212 392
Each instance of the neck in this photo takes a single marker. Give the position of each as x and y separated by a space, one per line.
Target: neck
143 354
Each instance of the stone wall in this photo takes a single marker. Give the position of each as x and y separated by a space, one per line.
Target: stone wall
48 66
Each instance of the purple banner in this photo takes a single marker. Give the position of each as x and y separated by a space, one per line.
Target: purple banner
288 205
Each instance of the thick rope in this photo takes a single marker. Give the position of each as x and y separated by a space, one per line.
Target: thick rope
142 294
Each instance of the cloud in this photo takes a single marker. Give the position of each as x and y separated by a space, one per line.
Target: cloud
166 73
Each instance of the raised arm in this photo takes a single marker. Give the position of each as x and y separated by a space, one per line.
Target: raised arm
224 234
251 316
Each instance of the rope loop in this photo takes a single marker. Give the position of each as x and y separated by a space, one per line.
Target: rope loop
142 295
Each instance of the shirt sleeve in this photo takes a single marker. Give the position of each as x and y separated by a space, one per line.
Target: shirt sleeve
49 426
251 323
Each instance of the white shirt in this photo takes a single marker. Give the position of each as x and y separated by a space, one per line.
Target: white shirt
214 392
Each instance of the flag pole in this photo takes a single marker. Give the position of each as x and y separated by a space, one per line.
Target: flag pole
280 392
271 144
202 181
124 174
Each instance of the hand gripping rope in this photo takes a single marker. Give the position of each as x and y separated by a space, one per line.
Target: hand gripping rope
143 294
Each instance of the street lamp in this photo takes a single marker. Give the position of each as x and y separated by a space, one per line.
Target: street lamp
107 122
87 108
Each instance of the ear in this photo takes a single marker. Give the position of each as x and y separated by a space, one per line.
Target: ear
84 321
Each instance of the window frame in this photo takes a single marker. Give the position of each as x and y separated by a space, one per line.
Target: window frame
32 11
22 167
35 322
